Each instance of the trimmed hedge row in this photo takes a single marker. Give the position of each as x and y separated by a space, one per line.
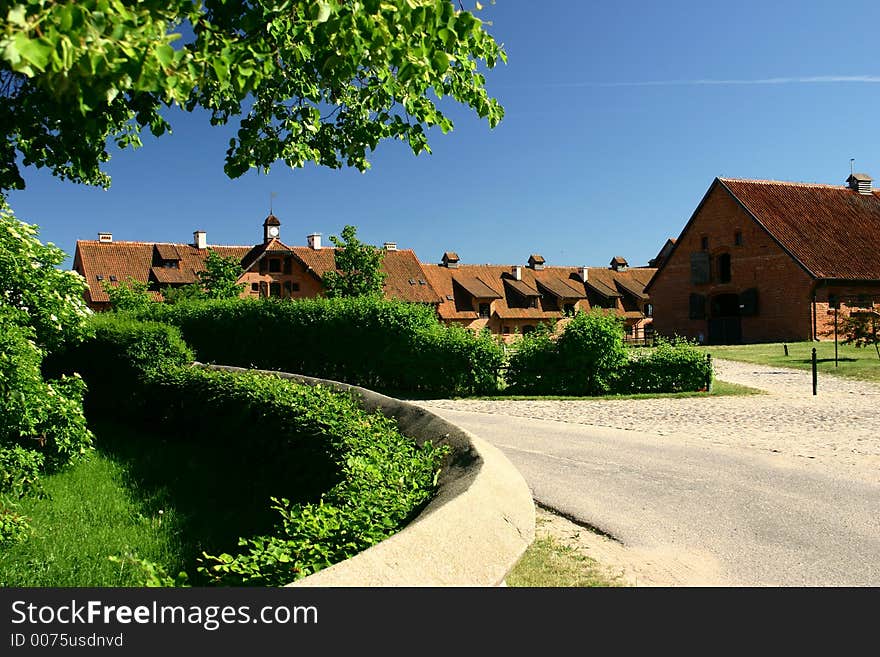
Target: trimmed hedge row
589 358
387 346
370 478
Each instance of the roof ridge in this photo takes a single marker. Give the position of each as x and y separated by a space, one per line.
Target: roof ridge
788 183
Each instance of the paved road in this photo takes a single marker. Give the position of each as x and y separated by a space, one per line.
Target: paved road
779 489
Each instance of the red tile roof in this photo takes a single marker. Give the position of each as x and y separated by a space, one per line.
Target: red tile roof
135 260
833 231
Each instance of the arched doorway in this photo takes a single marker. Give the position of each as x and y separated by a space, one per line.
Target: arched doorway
725 325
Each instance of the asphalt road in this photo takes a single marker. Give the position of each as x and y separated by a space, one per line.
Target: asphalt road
722 515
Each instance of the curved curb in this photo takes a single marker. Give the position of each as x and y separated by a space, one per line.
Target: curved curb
473 531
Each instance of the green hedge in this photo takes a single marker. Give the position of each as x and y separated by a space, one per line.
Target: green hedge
671 366
387 346
589 358
365 479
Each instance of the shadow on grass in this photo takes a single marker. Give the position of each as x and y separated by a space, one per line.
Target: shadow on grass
808 361
215 490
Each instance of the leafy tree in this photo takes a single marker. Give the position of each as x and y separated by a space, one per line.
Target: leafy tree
311 80
129 294
862 329
358 267
182 293
220 278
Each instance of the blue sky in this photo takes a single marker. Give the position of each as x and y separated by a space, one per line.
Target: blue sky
619 116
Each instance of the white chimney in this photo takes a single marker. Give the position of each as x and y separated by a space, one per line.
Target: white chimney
584 273
390 246
200 239
105 238
314 241
517 272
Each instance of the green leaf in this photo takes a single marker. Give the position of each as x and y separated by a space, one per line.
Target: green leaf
165 54
323 12
17 16
34 51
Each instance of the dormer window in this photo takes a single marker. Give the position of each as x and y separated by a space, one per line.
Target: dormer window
485 309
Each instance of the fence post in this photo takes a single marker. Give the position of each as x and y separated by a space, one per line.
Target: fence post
814 370
785 346
708 372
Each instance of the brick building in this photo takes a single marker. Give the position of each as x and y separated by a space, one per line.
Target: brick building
512 299
271 267
766 261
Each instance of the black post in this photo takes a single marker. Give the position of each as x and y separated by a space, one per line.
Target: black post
835 337
708 372
785 346
814 370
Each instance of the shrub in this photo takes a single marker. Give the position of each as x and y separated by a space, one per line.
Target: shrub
117 358
19 470
584 360
14 527
389 346
671 366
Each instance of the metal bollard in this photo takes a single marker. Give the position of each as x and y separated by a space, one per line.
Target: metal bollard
709 373
785 346
814 370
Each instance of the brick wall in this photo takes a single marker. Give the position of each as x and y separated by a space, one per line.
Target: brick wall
784 289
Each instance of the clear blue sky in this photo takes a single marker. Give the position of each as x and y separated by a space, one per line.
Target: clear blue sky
619 116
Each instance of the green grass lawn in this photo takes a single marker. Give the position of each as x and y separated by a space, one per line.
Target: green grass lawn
151 497
852 362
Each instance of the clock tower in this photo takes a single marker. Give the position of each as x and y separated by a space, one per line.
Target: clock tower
271 228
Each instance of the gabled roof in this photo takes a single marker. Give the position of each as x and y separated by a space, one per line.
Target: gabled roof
475 287
832 231
561 288
521 287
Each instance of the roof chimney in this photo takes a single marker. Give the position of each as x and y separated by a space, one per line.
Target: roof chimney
390 246
584 273
105 238
314 241
200 239
516 270
860 182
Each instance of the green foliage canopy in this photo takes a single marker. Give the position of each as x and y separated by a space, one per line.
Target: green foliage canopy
312 80
220 278
358 268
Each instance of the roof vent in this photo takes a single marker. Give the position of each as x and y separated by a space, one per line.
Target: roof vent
390 246
105 238
618 263
450 259
860 182
536 262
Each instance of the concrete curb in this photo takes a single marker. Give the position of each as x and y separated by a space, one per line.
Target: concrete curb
471 534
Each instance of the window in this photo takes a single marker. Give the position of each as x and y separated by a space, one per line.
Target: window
484 309
700 268
263 265
724 268
255 287
649 310
275 265
288 265
748 302
287 288
113 279
264 290
704 243
100 277
275 289
505 330
568 309
738 238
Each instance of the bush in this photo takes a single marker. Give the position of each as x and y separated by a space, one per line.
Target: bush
584 360
118 357
671 366
389 346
